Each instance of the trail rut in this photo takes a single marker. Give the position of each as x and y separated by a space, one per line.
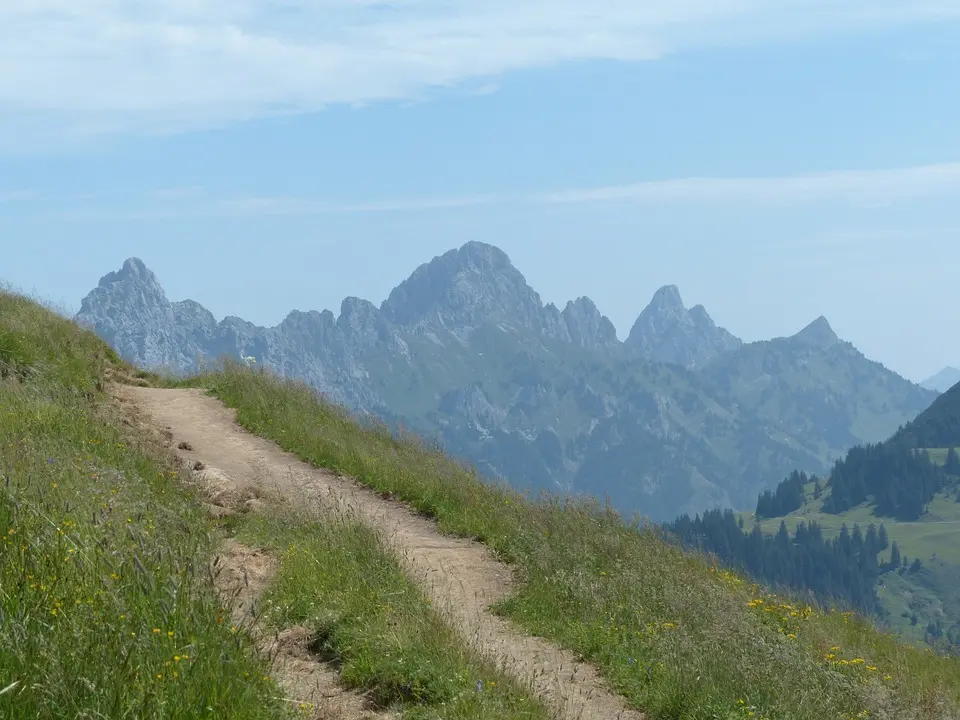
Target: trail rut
310 684
460 577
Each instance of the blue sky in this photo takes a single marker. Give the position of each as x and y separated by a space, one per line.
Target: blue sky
776 161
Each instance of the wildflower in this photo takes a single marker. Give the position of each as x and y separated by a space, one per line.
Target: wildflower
156 631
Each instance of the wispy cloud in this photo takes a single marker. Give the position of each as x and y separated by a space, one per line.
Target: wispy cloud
844 187
856 186
12 196
303 206
95 66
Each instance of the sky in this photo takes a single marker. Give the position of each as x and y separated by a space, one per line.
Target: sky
776 161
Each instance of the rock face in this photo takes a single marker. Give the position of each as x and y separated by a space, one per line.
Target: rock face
667 332
679 418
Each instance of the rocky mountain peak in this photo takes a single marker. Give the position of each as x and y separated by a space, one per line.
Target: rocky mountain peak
667 332
700 316
817 334
132 272
667 299
463 288
135 267
587 327
125 301
133 283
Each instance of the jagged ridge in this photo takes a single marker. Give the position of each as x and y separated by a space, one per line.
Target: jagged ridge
680 417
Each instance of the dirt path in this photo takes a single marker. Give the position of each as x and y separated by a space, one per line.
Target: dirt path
309 683
460 577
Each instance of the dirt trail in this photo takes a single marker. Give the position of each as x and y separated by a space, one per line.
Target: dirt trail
461 578
309 683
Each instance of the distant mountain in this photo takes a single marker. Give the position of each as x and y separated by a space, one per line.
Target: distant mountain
943 380
680 417
667 332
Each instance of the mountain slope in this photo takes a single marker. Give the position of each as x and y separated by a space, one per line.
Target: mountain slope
680 417
920 594
936 427
943 380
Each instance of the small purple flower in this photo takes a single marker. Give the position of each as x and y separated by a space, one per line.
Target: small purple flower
479 686
50 461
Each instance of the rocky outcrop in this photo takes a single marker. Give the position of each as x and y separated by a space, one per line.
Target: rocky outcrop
587 328
667 332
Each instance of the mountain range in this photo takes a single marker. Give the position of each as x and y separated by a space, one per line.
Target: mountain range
679 417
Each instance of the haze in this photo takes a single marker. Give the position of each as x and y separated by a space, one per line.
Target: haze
776 165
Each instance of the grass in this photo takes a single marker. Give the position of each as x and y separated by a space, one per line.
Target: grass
106 609
107 606
338 578
678 638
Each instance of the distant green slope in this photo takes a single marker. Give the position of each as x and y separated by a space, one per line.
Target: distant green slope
918 506
909 600
936 427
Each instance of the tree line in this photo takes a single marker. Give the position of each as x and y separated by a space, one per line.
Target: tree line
842 569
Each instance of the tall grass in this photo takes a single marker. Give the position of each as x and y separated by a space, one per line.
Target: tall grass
677 637
106 605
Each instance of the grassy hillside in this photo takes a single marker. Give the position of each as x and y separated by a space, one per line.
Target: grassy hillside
107 605
910 600
923 602
105 610
677 637
108 610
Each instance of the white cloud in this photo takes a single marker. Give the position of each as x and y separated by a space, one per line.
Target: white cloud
94 66
874 187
